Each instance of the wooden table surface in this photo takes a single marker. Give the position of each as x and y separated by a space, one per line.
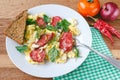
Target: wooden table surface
11 8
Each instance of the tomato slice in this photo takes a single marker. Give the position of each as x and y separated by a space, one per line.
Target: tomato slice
38 55
66 42
55 20
44 39
40 22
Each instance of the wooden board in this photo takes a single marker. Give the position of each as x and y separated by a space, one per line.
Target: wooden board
11 8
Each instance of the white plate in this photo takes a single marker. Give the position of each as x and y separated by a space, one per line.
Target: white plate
51 69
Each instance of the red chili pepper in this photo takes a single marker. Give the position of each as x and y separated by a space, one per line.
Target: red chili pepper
105 28
101 27
110 28
114 31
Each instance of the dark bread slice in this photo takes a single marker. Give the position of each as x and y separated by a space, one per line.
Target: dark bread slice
17 28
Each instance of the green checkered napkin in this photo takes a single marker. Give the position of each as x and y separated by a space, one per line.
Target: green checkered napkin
94 67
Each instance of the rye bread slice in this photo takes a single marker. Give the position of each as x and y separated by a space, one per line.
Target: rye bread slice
17 28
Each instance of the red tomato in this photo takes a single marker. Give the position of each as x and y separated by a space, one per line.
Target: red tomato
40 22
88 7
66 41
44 39
38 55
55 20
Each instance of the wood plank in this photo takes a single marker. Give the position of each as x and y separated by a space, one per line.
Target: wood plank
19 5
116 53
115 1
3 50
2 41
5 62
16 74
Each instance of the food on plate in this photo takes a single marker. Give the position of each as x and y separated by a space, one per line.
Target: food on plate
88 7
109 11
66 41
49 39
16 30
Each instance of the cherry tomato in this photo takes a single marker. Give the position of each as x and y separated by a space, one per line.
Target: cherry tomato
44 39
38 55
66 42
40 22
88 7
55 20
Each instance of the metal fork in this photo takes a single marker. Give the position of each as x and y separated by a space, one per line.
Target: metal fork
110 59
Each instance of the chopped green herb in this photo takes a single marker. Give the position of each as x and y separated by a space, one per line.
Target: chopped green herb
21 49
58 25
51 28
37 35
46 19
25 33
64 24
76 51
30 21
53 54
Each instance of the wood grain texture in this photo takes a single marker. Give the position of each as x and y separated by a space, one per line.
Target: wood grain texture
11 8
5 62
15 74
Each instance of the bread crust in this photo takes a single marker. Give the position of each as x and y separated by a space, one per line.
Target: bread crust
16 29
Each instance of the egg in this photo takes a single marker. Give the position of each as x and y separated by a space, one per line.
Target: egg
32 39
74 30
31 27
35 17
30 17
41 14
62 59
71 54
34 46
74 22
48 31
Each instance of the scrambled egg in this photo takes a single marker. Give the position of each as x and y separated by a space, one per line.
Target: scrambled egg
48 31
34 17
71 54
62 59
73 28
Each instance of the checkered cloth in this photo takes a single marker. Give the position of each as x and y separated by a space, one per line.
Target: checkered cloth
94 67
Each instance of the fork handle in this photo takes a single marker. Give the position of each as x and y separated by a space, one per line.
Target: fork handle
111 60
